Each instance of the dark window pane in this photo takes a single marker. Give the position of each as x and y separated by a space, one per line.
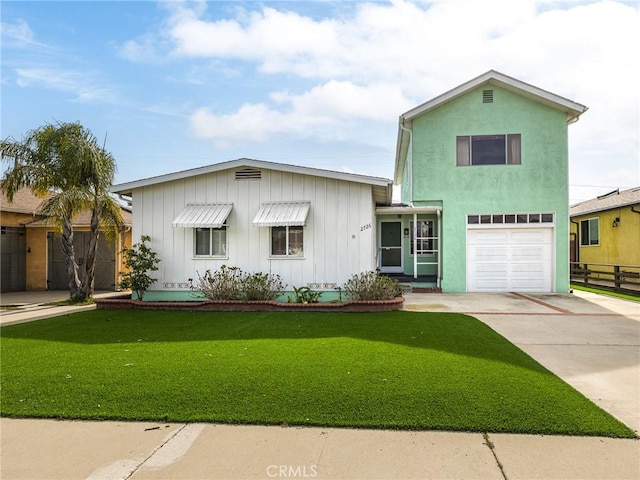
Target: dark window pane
522 218
534 218
584 232
509 219
485 218
473 219
278 240
203 236
488 150
547 218
497 219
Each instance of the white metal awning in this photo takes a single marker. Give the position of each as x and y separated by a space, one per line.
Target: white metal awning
203 215
282 214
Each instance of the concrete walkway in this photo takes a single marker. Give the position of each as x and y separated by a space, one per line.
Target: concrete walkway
592 342
21 307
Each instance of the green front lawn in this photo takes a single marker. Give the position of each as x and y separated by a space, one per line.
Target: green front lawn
403 370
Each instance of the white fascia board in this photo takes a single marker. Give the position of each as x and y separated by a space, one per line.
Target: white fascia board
127 188
573 109
402 147
394 210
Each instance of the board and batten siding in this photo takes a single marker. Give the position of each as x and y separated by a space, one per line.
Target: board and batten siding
339 236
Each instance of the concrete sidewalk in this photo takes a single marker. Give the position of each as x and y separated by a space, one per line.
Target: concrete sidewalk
591 341
21 307
48 449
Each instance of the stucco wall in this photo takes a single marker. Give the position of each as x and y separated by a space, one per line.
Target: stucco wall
618 245
539 184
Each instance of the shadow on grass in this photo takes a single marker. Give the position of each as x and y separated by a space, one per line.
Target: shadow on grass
449 332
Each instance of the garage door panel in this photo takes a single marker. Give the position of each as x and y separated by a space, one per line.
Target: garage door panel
489 254
534 237
509 260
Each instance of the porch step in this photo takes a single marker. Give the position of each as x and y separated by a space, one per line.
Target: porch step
409 288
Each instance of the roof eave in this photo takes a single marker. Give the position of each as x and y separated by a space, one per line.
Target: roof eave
573 109
127 188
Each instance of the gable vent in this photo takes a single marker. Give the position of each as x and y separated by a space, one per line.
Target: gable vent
487 96
248 174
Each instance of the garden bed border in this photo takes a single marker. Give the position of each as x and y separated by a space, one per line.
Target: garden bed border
250 306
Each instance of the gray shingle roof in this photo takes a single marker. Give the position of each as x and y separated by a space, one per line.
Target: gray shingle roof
608 201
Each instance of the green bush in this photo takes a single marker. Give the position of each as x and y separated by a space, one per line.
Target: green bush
140 260
306 295
372 286
231 283
261 286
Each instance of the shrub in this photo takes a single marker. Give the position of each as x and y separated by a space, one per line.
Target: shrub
372 286
223 284
261 286
140 260
231 283
306 295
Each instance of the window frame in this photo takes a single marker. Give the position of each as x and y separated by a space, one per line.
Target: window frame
211 230
289 230
465 149
430 251
589 240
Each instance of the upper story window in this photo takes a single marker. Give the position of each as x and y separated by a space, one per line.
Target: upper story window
488 150
590 232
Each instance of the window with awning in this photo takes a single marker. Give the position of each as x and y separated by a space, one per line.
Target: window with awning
203 215
282 214
286 220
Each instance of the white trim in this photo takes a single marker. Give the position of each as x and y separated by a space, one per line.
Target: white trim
385 184
395 269
573 109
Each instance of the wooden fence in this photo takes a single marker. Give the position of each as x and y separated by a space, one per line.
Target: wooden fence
620 278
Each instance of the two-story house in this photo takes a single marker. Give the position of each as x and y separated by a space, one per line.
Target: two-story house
484 176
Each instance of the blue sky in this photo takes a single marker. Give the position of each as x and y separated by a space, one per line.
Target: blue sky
177 85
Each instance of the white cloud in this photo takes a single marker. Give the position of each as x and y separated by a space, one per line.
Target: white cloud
326 107
369 62
83 86
18 33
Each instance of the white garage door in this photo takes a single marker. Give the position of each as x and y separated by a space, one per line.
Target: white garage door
509 260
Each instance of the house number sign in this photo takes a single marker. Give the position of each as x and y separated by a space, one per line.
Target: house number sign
365 227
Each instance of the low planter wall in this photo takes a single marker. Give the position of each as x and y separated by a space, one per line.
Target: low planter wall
254 306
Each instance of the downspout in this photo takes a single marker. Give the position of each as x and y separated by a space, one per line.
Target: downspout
409 149
577 240
414 234
439 247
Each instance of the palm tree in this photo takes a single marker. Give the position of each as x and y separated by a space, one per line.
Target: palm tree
66 163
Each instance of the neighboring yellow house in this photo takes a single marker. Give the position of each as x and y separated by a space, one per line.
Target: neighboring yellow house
606 230
31 258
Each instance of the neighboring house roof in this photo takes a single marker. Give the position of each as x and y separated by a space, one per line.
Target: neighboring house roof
25 202
609 201
382 187
572 109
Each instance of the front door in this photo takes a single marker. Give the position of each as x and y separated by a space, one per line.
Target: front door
391 247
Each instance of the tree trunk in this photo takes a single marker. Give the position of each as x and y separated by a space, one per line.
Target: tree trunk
89 276
69 251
